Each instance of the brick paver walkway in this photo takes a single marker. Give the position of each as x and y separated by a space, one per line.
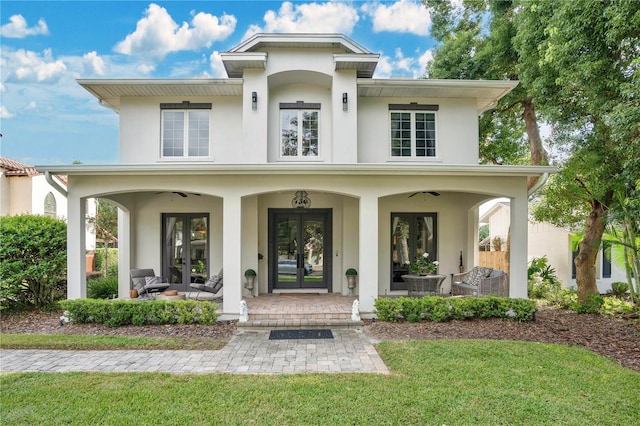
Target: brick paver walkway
248 352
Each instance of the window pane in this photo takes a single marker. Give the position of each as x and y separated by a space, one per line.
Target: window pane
425 135
310 133
401 134
289 129
198 133
173 134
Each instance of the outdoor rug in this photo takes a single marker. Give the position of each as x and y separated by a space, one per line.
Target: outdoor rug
300 334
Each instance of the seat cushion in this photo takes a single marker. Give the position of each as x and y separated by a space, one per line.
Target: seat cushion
478 273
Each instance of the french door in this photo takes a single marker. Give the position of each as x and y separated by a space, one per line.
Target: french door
185 248
412 235
299 249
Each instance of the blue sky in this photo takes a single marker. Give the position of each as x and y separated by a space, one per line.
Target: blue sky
46 118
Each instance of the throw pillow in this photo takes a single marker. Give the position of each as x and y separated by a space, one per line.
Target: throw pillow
478 273
138 284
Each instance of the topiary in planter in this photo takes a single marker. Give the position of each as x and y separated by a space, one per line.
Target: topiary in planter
249 273
351 271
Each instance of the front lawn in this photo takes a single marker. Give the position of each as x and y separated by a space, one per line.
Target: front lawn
432 382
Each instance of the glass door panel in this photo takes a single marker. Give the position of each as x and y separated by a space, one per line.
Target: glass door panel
185 249
412 235
299 243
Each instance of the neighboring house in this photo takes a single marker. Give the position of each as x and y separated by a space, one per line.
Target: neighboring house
553 242
23 190
300 155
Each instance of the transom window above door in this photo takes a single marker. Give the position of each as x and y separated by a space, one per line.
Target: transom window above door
299 130
413 130
185 130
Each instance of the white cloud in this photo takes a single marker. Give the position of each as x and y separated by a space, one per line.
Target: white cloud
31 66
217 67
94 64
18 28
404 16
331 17
31 106
157 34
4 112
2 87
403 66
146 68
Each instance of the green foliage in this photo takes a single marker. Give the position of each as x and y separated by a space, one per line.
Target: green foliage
351 271
439 309
33 260
590 306
116 313
619 289
102 287
249 273
483 232
616 306
112 260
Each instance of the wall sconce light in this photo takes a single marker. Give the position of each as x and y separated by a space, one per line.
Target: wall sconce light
254 101
345 102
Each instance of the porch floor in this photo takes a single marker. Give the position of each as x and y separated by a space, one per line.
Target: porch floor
300 310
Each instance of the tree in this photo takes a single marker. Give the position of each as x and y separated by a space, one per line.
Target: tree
105 224
33 259
468 51
581 61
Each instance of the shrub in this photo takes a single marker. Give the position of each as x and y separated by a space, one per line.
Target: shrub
619 289
102 287
590 306
116 313
438 309
33 260
112 259
614 306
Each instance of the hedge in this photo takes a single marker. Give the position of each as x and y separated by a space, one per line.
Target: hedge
439 309
116 313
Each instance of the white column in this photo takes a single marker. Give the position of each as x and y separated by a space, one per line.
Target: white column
124 252
232 253
368 257
519 242
76 258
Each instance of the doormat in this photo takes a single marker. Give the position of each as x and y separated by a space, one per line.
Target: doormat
300 334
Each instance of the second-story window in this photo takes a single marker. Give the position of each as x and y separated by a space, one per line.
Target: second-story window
413 130
185 130
299 126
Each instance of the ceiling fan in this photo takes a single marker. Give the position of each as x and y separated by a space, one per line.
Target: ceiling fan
434 193
182 194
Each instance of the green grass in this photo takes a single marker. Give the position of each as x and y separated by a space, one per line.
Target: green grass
453 382
86 342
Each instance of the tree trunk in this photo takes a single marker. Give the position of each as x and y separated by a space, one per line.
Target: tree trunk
588 251
539 156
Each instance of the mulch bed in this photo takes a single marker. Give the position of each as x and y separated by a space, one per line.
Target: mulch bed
614 338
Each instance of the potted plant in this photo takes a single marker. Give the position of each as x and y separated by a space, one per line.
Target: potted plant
250 277
424 266
351 275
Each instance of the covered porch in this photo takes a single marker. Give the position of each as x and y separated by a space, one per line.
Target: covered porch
362 206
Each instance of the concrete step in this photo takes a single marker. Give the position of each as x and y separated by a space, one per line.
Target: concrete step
299 323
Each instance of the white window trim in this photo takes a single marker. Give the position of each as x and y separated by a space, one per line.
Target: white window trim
185 156
413 109
300 107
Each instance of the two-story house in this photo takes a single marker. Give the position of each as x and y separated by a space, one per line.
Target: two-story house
298 165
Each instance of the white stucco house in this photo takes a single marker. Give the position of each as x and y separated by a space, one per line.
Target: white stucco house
24 190
555 243
298 165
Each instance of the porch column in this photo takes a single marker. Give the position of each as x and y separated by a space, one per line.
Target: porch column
232 252
76 258
124 252
368 256
519 242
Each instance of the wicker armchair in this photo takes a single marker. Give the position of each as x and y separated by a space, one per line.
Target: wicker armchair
481 281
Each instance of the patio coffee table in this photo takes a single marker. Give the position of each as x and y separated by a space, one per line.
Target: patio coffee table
424 285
